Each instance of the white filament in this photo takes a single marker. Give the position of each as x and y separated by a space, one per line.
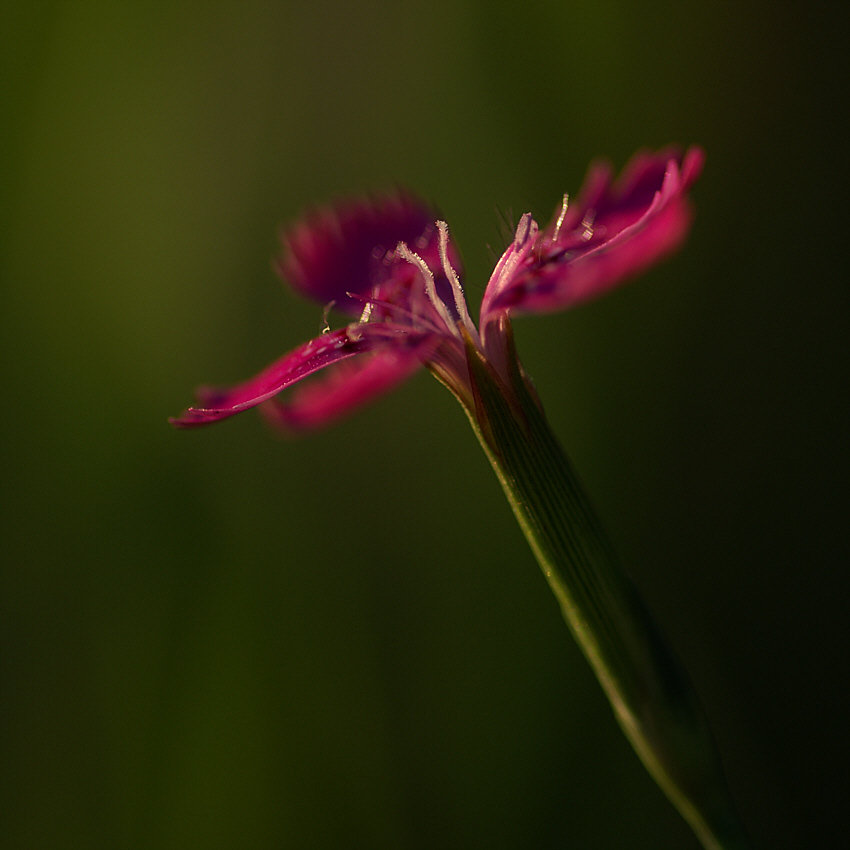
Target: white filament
366 314
587 224
451 274
564 204
326 327
430 287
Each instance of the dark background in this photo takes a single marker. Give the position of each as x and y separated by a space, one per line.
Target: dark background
219 639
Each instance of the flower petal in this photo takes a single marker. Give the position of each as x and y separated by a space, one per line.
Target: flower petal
350 247
344 388
317 354
614 231
512 262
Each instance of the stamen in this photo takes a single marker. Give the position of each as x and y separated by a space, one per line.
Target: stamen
451 274
564 204
587 224
430 287
397 313
367 311
326 328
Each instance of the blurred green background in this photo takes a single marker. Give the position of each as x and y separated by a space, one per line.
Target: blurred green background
220 639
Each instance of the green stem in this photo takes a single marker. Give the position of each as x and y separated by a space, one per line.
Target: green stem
649 691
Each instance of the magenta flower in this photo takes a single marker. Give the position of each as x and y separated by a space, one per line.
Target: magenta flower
391 267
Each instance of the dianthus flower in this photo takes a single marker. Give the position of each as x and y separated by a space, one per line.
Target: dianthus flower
391 267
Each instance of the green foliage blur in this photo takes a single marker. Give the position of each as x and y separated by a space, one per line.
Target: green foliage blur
221 639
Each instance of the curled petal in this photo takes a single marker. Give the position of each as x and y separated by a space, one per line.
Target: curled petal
613 232
349 248
317 354
511 263
344 388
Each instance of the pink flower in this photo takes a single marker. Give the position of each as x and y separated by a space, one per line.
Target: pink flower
389 266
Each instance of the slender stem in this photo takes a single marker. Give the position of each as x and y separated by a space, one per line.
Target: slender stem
649 691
